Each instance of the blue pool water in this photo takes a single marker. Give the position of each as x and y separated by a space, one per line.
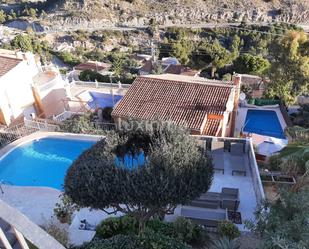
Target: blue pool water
101 100
131 162
42 162
264 123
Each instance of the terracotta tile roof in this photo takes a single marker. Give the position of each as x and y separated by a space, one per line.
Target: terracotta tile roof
147 67
99 66
7 64
179 69
211 127
182 102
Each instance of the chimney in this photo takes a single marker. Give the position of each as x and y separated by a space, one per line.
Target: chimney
237 79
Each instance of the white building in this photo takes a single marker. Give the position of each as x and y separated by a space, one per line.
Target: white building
26 88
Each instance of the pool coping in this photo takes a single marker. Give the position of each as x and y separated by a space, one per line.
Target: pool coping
39 135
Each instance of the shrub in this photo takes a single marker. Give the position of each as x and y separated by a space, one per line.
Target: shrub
225 243
58 233
117 242
117 225
188 231
228 229
147 240
161 227
151 240
274 163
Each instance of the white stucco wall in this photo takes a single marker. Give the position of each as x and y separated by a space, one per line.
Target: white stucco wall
15 90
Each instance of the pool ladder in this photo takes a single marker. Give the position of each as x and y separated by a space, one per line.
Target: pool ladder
3 182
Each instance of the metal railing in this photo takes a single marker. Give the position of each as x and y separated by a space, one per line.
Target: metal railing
10 134
96 84
40 125
65 115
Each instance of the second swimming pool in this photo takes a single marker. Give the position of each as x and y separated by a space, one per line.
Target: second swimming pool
263 122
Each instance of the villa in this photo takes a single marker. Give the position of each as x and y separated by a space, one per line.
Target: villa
28 89
205 106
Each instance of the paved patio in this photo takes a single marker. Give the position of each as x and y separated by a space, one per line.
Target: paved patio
247 195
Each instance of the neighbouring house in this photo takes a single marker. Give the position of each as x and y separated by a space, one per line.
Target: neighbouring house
256 84
99 67
169 66
26 88
182 70
205 106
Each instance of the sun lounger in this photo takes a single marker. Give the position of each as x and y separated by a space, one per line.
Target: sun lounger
203 216
212 204
218 162
237 149
238 165
227 199
230 198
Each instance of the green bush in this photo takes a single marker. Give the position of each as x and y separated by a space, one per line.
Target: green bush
116 242
117 225
189 231
228 229
274 163
182 229
225 243
152 240
161 227
147 240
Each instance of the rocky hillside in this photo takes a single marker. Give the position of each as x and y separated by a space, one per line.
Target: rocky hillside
100 13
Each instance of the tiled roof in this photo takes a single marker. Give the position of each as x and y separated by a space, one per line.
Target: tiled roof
182 102
7 64
179 69
211 127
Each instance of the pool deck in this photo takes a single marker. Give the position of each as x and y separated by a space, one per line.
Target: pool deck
38 202
242 113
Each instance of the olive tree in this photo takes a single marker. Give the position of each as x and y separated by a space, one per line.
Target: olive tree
175 171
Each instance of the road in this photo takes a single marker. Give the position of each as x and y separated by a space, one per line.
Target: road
132 28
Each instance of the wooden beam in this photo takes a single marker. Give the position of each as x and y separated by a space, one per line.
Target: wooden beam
4 240
21 239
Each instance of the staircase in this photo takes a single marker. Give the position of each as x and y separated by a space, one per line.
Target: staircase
10 238
15 227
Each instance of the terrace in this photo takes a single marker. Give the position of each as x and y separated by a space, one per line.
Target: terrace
38 202
250 188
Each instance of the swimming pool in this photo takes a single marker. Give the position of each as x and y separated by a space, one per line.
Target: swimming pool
263 122
102 100
42 162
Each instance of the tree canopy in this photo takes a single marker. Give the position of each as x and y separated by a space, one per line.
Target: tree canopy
175 171
216 54
289 73
251 64
284 224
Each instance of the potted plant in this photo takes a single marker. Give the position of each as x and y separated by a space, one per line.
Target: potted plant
65 208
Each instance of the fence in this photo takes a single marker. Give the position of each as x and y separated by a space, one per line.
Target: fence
10 134
101 84
65 115
257 183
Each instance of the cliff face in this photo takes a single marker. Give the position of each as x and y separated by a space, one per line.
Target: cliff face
99 13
